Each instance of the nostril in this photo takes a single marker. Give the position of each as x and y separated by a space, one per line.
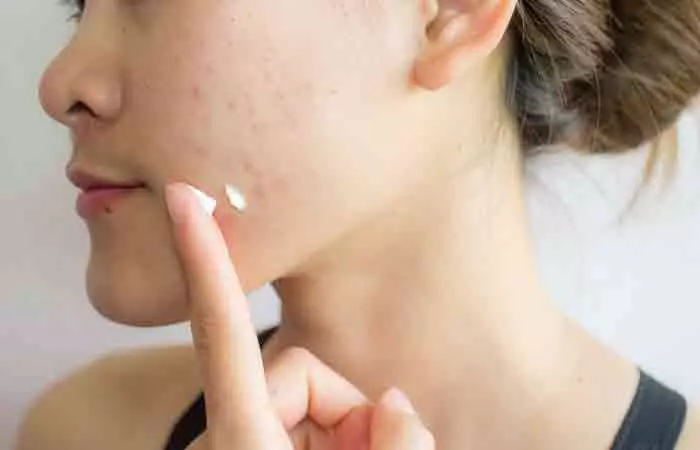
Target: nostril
80 107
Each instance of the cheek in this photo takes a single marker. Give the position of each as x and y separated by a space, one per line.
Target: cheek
207 100
243 103
245 71
287 110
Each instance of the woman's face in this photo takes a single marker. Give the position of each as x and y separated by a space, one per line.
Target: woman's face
306 106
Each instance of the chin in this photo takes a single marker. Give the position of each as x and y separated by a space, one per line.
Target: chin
135 296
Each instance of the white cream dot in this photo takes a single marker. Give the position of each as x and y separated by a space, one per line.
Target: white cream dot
236 198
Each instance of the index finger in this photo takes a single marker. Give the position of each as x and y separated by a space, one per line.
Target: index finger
223 333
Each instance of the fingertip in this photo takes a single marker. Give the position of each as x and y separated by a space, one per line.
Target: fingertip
176 202
206 203
397 426
395 399
179 197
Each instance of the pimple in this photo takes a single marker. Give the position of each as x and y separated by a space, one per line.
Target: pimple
257 192
249 168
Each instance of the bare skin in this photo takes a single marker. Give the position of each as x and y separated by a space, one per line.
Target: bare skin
598 393
130 381
383 172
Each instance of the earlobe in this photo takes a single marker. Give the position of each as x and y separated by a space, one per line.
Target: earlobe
462 32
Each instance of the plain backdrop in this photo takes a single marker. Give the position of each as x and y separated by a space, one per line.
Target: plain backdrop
630 276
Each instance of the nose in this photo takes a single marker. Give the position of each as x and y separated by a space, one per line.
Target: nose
82 86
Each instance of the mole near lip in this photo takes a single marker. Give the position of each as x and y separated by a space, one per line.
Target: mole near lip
94 202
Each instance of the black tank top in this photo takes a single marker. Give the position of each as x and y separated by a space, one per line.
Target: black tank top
654 420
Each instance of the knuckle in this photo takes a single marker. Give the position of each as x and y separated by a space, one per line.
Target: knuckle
412 428
208 332
206 323
298 355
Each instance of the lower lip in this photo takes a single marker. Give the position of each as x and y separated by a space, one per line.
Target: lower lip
97 201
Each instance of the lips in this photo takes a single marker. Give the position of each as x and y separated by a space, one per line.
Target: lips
88 181
98 201
99 193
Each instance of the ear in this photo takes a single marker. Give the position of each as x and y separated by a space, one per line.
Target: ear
458 33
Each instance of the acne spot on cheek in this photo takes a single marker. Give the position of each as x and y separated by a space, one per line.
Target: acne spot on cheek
255 190
200 150
249 168
269 189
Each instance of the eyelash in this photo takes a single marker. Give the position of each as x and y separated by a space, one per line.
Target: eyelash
77 7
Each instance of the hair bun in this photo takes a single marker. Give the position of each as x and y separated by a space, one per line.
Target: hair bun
603 75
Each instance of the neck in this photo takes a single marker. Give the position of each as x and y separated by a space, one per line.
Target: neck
440 296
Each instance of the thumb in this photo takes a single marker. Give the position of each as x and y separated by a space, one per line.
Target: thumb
396 425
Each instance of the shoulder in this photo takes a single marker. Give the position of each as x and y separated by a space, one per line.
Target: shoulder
690 439
95 402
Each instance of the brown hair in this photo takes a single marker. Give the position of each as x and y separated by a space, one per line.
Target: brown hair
602 75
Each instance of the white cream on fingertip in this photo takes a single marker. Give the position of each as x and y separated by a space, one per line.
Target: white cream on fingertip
236 198
207 203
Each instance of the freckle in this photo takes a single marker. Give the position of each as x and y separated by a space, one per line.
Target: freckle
248 167
108 210
256 191
196 92
230 105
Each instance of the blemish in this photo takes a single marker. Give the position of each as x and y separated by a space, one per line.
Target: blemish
247 167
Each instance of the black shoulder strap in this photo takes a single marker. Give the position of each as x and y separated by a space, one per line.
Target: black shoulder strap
194 421
655 418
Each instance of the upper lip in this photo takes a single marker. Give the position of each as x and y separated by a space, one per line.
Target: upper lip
88 181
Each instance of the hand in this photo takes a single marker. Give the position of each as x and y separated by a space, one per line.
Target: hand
300 402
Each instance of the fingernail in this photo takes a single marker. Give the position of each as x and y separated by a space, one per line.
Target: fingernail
173 200
236 198
177 203
395 399
207 203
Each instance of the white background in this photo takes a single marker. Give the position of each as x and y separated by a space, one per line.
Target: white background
633 282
